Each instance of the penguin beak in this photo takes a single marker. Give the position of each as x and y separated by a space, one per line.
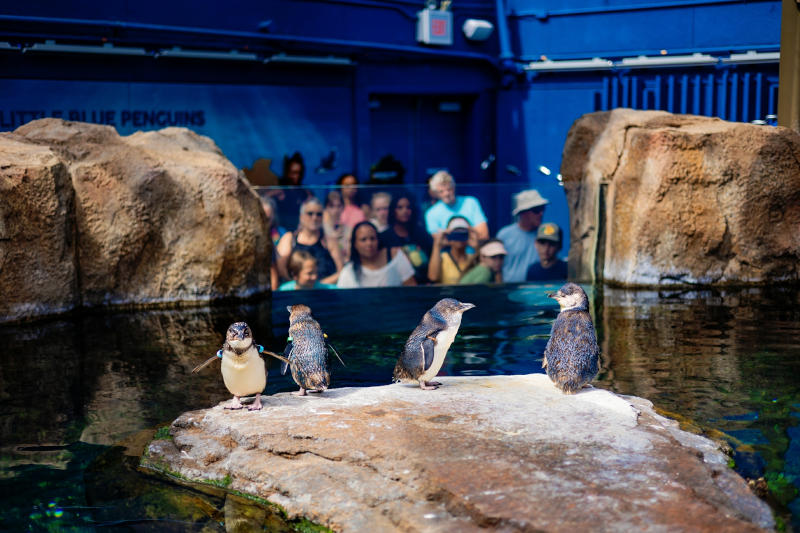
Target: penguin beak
554 295
466 306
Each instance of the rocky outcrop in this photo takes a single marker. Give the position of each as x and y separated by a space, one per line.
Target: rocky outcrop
657 198
510 453
91 218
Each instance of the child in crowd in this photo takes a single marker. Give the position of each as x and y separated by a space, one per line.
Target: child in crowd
380 210
303 270
490 267
548 244
447 267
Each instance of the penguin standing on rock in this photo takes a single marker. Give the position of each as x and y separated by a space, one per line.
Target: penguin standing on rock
426 348
243 370
307 351
571 357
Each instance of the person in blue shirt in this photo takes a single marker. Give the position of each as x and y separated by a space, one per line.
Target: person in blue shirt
519 238
450 205
548 244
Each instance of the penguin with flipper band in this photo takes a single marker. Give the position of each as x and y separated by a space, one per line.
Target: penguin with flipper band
306 352
243 370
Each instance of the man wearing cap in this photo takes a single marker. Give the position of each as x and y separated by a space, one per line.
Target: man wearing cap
548 244
449 205
520 238
490 267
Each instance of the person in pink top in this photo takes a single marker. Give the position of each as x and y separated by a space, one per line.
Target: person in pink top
352 213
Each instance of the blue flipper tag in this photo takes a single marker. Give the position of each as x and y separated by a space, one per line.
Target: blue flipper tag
260 348
219 354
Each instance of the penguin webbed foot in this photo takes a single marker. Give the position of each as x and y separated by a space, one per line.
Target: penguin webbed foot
234 404
428 385
435 383
301 392
256 406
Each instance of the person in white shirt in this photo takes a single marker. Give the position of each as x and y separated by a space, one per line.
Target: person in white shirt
373 266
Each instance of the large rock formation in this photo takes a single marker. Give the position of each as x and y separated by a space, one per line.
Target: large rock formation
91 218
658 198
507 452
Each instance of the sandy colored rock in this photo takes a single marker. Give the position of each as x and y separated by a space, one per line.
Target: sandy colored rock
510 453
37 231
657 198
159 216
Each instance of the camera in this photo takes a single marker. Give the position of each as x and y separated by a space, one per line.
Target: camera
458 235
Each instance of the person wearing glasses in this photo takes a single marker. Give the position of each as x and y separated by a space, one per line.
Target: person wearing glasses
310 237
519 238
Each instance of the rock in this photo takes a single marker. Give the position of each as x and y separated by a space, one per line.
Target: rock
37 231
657 198
157 217
504 452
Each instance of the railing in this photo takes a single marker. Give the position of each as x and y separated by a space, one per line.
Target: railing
496 200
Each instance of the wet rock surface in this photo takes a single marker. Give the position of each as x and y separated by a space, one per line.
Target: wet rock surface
659 199
90 218
509 453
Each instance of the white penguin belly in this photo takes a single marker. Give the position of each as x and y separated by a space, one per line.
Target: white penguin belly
244 375
443 341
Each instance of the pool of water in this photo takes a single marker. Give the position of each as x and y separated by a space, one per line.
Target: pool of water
79 397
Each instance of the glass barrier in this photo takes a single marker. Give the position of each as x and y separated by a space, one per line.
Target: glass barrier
409 217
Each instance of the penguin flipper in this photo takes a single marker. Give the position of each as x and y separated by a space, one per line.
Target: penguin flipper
428 346
336 354
285 361
276 356
204 364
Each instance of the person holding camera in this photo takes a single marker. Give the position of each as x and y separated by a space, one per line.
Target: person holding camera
449 256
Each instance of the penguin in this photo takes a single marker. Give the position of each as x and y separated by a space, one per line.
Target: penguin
425 350
243 370
307 351
571 357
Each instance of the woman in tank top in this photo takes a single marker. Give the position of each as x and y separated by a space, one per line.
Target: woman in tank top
310 237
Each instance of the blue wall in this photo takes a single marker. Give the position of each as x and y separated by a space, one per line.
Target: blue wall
431 107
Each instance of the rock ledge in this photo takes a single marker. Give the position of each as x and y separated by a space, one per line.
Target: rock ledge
505 452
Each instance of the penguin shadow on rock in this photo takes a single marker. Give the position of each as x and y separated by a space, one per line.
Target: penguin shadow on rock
424 352
571 357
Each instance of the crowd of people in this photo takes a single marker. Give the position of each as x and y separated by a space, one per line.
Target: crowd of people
347 241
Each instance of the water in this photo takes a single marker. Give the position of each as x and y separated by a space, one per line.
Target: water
79 398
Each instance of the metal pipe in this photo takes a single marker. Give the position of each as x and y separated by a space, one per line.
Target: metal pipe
112 24
543 14
673 51
502 32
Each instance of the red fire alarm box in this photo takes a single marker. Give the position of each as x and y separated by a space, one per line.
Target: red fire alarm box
435 27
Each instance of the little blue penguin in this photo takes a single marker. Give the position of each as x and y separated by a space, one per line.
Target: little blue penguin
571 356
307 351
424 352
243 370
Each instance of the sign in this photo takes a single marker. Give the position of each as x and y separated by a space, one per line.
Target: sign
435 27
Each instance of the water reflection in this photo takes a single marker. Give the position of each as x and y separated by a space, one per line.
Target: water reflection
70 389
726 360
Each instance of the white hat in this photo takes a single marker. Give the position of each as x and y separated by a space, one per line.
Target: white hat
528 200
457 221
493 248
